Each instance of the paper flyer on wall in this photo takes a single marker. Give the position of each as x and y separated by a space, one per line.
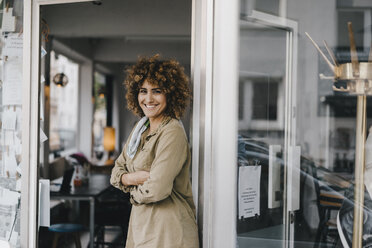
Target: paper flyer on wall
13 45
8 137
17 145
12 82
249 191
19 120
10 163
9 119
4 244
9 21
9 201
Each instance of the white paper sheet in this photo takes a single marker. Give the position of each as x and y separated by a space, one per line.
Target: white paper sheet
18 185
13 46
9 119
249 191
12 82
10 163
14 239
9 21
17 145
8 137
8 207
2 165
19 168
19 120
4 244
43 137
42 107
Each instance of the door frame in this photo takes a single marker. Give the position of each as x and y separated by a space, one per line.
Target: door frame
30 125
201 76
222 170
291 194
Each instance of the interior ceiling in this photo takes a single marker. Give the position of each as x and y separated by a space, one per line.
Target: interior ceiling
120 30
121 18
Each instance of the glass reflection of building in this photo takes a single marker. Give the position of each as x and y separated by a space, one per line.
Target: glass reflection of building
272 62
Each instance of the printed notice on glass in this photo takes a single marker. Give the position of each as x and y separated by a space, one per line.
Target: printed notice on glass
249 191
12 83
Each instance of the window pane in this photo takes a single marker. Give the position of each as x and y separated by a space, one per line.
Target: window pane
63 104
265 97
100 112
261 135
298 118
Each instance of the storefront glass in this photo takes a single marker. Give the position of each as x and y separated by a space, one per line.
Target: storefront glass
298 130
11 135
261 112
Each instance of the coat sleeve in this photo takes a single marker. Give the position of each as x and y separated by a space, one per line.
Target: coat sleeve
119 169
170 156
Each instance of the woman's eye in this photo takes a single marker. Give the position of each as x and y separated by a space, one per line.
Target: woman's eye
142 91
158 91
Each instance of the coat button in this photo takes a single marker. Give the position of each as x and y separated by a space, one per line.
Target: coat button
147 191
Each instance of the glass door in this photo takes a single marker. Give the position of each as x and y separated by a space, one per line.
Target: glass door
266 156
297 134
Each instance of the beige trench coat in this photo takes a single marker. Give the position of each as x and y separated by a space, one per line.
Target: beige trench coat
163 212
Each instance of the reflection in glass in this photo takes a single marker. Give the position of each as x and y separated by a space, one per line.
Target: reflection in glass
323 122
99 113
63 104
261 134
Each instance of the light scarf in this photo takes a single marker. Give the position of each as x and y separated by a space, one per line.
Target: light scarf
136 137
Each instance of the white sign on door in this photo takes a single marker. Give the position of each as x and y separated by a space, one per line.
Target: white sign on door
249 191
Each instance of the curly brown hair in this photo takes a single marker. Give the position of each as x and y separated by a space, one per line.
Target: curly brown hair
168 75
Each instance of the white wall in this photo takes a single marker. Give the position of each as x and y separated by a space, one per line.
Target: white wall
121 50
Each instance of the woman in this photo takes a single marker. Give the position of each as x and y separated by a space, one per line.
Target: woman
155 162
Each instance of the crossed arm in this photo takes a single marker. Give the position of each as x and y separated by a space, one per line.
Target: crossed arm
156 185
135 178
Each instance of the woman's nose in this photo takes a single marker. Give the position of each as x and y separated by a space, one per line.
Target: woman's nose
149 97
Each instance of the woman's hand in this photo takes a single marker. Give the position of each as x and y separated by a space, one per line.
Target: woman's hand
135 178
140 177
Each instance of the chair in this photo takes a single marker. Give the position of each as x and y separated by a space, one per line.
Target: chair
329 198
66 228
113 209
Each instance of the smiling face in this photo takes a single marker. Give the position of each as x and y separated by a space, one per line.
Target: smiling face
152 101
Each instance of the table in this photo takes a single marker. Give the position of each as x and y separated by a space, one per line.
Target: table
98 183
339 179
100 166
